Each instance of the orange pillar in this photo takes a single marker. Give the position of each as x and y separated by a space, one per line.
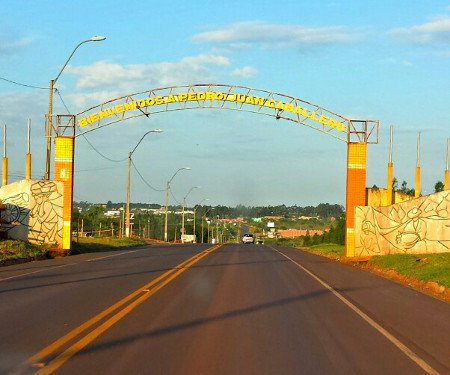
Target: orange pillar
64 159
356 190
446 179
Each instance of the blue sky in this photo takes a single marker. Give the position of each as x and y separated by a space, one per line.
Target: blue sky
383 60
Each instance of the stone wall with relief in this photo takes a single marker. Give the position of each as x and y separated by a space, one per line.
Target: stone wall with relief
416 226
31 210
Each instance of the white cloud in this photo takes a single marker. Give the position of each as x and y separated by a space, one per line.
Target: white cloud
436 30
394 61
104 80
245 72
188 69
245 34
10 46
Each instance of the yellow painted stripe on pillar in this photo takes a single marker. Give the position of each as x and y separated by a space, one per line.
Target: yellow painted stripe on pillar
64 160
350 243
356 166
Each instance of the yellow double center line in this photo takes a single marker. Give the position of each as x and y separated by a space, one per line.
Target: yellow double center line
43 360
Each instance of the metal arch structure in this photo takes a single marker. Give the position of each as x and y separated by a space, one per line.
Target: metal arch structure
228 97
356 133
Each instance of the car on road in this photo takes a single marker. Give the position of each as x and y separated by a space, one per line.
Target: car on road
248 238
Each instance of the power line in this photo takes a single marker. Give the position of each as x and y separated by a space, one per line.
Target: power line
103 156
90 144
173 196
23 84
143 179
95 169
60 97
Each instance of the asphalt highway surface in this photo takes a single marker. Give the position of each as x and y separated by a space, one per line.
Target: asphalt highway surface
208 309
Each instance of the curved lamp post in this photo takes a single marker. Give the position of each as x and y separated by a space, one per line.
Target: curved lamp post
49 125
195 209
184 205
127 207
167 199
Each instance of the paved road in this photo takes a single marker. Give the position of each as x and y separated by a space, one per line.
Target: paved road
236 309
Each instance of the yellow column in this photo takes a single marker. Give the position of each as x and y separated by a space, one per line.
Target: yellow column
28 167
417 175
417 183
5 171
64 158
356 190
446 165
28 156
390 177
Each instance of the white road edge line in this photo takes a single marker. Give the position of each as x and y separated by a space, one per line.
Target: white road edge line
408 352
41 270
64 265
110 256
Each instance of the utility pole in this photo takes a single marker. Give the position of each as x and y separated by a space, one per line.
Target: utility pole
167 201
127 206
48 120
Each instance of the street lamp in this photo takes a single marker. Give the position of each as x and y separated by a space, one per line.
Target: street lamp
127 207
184 205
48 124
167 200
207 221
195 209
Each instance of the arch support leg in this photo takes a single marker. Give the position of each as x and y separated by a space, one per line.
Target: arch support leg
355 190
64 159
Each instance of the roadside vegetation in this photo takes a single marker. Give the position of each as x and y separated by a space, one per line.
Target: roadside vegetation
13 249
94 244
426 267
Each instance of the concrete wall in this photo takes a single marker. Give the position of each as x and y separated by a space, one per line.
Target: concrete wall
31 210
379 197
416 226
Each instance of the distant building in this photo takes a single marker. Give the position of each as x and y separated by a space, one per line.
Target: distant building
291 233
113 213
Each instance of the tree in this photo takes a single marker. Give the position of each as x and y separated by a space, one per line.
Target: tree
395 184
439 186
405 190
307 239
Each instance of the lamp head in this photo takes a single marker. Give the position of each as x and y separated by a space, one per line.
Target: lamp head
156 131
97 38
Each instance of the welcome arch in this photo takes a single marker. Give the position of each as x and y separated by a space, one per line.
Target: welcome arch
356 133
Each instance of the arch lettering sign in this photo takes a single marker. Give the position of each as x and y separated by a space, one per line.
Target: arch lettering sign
215 96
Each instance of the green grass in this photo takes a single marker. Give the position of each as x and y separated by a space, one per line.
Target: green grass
288 242
93 244
329 249
12 250
15 249
426 267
